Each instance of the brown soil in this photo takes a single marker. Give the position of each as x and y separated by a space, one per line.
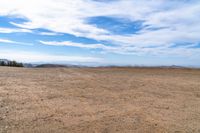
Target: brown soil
99 100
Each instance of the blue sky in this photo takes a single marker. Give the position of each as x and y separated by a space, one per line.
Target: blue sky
101 32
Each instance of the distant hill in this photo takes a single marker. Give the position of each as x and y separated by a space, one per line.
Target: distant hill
28 65
6 62
59 65
49 65
54 65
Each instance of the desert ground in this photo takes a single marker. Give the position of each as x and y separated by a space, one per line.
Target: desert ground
99 100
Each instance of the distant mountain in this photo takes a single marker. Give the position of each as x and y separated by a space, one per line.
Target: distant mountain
172 66
54 65
28 65
6 62
49 65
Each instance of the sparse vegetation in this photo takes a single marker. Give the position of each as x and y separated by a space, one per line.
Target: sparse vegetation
10 63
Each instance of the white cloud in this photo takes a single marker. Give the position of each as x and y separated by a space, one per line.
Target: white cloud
29 57
80 45
49 33
180 19
186 51
6 41
13 30
14 42
21 30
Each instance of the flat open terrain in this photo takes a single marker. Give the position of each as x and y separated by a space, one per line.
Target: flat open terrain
99 100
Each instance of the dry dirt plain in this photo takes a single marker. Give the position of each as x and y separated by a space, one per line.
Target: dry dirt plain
99 100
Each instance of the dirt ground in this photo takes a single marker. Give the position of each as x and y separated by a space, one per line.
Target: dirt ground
99 100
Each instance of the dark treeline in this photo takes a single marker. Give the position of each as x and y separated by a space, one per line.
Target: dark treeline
11 64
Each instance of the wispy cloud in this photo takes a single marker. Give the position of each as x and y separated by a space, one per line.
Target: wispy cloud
6 41
80 45
13 30
182 50
49 33
14 42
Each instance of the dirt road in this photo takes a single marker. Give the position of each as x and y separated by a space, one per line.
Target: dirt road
99 100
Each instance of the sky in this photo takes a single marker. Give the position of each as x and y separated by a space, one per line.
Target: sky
101 32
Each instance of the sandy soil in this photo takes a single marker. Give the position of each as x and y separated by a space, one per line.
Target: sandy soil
99 100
